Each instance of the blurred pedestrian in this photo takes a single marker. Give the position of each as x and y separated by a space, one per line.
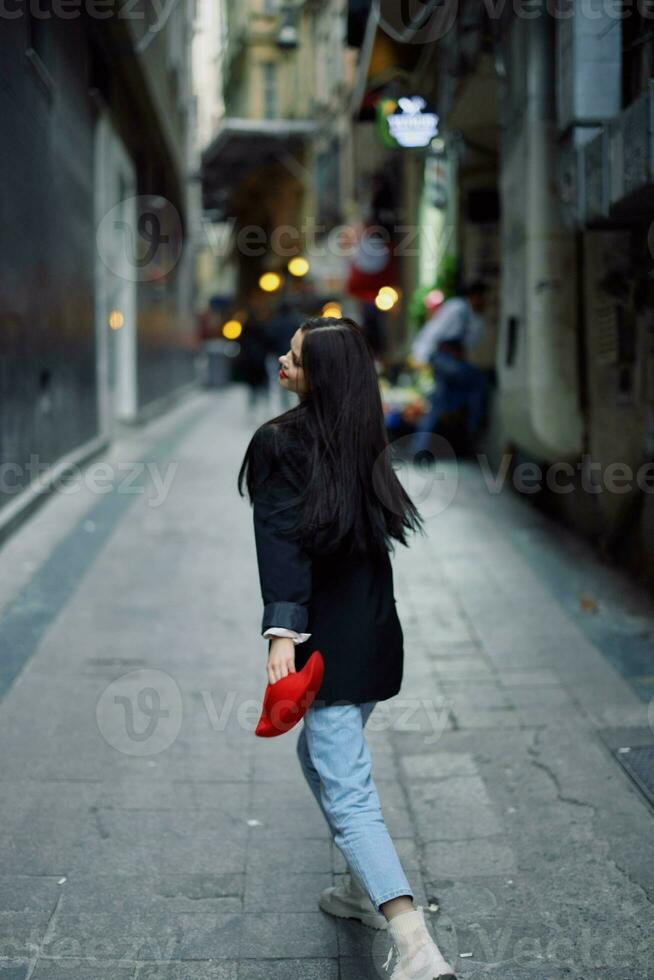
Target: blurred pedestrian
211 319
443 342
328 507
280 329
252 360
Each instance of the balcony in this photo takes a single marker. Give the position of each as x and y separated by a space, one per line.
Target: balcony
242 145
631 153
616 167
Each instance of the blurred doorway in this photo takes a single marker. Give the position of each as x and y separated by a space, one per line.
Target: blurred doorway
116 276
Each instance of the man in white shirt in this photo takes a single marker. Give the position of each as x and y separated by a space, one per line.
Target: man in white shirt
443 343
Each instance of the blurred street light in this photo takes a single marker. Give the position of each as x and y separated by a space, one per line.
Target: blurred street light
232 329
332 309
115 320
298 266
386 298
287 36
270 282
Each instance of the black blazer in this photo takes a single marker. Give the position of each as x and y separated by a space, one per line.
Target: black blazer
346 604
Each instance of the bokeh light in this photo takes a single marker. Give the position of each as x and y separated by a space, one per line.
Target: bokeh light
298 266
270 282
232 329
116 320
386 298
332 309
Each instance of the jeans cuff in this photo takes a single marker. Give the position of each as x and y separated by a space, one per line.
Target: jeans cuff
397 893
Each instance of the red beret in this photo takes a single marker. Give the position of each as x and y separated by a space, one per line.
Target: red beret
286 701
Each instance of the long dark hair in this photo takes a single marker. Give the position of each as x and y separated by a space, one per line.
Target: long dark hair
341 464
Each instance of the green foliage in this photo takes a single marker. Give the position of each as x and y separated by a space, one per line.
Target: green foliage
446 281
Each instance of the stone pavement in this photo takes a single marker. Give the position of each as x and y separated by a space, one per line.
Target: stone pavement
146 833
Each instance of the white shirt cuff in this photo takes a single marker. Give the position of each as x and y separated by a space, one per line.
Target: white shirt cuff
280 631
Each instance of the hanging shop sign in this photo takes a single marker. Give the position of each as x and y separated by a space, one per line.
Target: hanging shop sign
437 179
405 123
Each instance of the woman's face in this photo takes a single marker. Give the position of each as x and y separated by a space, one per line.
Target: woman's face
291 373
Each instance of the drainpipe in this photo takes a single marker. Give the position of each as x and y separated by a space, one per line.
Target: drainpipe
359 88
551 264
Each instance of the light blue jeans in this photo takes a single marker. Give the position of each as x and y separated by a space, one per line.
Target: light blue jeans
336 763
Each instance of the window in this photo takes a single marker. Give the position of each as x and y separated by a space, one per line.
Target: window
328 184
269 90
637 53
38 46
38 36
512 325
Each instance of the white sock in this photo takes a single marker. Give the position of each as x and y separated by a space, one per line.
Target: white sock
408 929
410 933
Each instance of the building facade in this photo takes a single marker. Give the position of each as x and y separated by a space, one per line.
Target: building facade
546 116
280 161
94 280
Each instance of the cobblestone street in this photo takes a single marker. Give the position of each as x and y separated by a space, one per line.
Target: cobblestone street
146 833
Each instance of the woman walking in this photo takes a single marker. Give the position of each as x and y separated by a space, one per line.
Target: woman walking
327 506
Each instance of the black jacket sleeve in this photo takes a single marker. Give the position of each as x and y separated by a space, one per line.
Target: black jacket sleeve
284 566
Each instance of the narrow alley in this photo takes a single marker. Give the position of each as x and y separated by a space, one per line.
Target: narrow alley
146 833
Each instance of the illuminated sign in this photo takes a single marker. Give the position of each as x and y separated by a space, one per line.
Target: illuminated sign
437 178
410 127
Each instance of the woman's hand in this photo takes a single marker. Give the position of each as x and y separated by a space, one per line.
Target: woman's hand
281 659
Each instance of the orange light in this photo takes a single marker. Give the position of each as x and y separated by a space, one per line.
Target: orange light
270 282
332 309
232 329
116 320
298 266
386 298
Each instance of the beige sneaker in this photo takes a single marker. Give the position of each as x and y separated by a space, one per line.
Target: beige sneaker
350 901
419 958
